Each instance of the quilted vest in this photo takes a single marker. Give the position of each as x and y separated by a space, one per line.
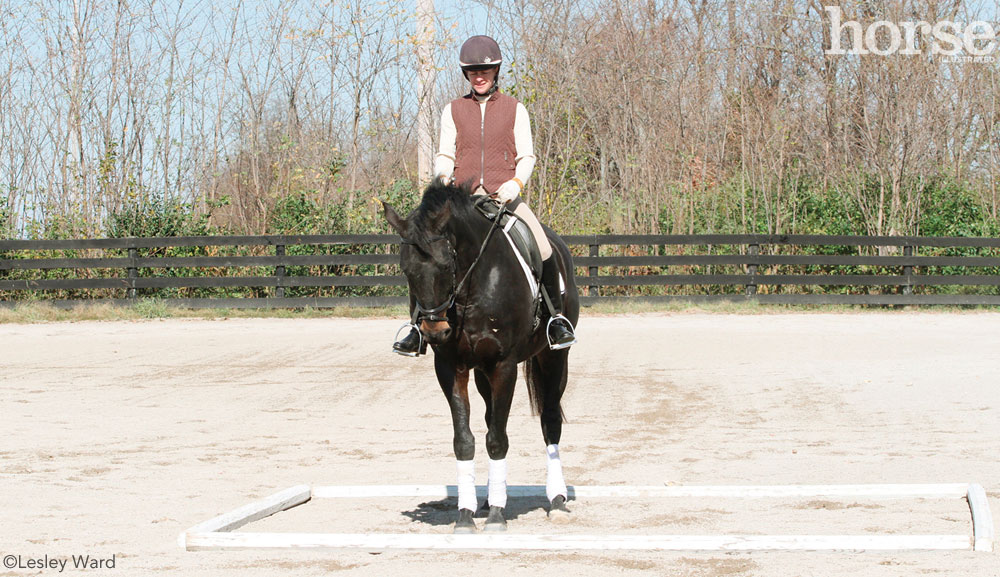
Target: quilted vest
477 163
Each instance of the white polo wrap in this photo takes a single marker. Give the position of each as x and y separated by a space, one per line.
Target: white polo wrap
498 483
467 485
555 485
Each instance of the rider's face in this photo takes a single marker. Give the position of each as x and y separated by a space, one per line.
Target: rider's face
482 80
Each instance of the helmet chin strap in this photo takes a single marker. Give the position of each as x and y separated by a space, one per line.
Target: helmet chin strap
488 92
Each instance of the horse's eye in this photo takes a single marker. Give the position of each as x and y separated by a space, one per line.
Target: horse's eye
442 255
409 266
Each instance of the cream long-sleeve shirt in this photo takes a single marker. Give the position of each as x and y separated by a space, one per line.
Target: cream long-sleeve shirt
524 160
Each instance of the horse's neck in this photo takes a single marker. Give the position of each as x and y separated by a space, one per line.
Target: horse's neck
495 258
470 230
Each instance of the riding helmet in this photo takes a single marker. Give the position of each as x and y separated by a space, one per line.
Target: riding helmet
480 53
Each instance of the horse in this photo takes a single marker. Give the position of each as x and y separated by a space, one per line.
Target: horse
475 308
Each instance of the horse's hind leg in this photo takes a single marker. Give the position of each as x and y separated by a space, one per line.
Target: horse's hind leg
547 374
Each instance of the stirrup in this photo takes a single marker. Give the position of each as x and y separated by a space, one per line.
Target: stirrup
421 348
548 336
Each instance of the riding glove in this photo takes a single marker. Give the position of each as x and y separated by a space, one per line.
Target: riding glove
508 191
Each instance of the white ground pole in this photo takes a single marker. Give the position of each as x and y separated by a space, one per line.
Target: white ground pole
217 533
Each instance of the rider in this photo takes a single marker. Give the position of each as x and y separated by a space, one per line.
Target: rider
486 143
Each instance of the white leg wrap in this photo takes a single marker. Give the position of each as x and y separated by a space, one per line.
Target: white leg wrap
498 483
467 485
555 485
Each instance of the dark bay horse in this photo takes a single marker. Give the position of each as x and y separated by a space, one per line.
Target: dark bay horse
476 310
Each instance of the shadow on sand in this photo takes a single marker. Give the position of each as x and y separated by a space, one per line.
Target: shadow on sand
445 511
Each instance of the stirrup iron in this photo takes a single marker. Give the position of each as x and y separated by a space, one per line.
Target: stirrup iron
548 335
421 348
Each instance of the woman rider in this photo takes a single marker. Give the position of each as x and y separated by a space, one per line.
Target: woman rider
486 144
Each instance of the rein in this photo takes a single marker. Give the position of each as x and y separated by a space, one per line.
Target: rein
432 314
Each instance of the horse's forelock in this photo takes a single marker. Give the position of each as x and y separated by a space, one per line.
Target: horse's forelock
437 198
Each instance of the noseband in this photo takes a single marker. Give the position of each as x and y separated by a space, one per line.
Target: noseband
434 314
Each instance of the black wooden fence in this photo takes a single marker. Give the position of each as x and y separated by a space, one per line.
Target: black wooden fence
781 269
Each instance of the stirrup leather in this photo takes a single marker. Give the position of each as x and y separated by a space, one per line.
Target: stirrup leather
548 335
421 348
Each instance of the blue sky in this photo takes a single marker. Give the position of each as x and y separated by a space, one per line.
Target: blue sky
472 17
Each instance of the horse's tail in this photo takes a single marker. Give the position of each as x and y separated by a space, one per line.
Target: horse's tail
535 388
538 387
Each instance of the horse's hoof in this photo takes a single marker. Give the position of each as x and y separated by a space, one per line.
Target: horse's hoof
495 523
465 524
558 513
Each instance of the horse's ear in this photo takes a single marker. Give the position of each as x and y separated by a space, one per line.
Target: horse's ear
398 223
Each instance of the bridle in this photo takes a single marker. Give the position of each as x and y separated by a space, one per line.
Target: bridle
434 314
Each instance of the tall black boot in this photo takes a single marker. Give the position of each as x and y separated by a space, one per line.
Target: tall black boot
410 345
559 330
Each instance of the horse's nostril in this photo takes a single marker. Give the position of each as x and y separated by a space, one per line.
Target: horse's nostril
435 328
438 337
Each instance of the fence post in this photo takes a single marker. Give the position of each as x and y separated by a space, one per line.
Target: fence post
594 290
908 272
279 272
133 272
751 287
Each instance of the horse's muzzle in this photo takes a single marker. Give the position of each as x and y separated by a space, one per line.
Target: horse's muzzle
436 332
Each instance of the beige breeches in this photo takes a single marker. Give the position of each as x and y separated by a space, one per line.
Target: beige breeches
524 213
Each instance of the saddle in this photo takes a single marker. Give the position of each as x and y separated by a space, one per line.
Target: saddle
519 237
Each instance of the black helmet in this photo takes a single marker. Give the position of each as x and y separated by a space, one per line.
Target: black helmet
480 53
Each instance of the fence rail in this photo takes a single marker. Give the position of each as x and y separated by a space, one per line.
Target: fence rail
763 268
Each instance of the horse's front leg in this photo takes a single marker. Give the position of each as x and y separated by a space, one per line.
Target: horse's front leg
455 385
497 389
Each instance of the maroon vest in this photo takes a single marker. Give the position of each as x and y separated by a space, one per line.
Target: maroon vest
484 145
